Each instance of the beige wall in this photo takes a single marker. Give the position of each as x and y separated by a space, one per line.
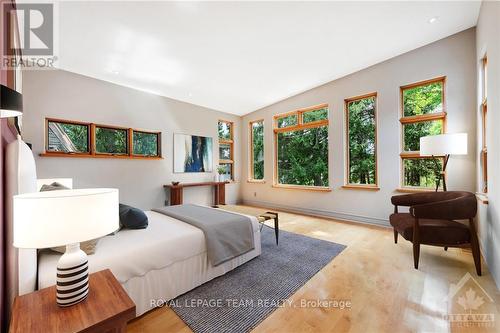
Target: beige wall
488 42
453 57
66 95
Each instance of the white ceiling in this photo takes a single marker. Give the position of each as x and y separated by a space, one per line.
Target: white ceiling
238 57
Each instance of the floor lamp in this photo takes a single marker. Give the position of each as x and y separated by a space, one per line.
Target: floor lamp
443 145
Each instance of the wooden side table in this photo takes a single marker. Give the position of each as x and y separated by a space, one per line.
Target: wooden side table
107 308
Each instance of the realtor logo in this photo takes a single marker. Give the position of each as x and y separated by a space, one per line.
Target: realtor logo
469 305
33 44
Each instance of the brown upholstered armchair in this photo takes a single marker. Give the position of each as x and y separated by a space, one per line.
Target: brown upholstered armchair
432 221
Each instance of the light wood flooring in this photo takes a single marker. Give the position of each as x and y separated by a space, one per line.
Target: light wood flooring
376 275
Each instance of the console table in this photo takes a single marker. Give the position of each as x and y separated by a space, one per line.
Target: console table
176 192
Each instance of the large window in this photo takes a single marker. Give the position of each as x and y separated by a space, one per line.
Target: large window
226 148
67 138
423 114
484 113
256 129
361 125
301 148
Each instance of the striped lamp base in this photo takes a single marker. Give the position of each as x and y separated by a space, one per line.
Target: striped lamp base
72 277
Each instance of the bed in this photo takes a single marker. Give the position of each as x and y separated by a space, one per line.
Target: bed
158 263
161 262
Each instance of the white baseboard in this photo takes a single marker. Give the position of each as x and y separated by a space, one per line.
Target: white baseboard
321 213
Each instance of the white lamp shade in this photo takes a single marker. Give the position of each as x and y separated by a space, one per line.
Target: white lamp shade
444 144
56 218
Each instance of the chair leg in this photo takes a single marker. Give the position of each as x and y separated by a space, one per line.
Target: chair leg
395 236
476 253
446 248
416 254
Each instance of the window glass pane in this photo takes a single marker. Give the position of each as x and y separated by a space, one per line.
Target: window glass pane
423 99
303 157
110 140
315 115
224 130
227 175
68 138
145 144
224 151
413 132
362 162
258 150
421 172
290 120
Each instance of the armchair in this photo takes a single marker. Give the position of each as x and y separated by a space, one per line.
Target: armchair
432 221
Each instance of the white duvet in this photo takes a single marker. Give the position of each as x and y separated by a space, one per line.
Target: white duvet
133 253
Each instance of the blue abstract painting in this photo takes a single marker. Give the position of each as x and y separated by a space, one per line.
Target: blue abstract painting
192 153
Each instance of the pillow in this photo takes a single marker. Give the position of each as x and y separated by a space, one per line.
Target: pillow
89 246
132 218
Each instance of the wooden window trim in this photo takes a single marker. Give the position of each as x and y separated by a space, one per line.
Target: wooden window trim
251 178
300 126
131 142
91 142
69 122
347 184
484 125
229 142
418 119
119 128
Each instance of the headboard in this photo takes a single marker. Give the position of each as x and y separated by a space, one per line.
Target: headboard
20 173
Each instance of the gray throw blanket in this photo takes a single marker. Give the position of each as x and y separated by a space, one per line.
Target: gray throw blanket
227 235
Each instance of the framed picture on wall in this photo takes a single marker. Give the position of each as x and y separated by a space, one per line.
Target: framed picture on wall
193 153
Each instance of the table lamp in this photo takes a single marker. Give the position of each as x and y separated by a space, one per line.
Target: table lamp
66 217
443 145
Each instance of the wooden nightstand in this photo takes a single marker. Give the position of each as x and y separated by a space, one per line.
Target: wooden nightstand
107 308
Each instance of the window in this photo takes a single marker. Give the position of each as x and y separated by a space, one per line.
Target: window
423 114
146 143
257 150
67 138
111 140
301 148
484 113
226 147
361 150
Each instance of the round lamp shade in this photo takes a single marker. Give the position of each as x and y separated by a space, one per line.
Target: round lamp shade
56 218
11 102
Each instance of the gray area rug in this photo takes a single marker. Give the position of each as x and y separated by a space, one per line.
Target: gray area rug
241 299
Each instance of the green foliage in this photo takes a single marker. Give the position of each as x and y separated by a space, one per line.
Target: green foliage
145 144
303 157
362 141
224 151
224 130
290 120
413 132
423 99
222 169
78 135
110 140
315 115
421 172
258 150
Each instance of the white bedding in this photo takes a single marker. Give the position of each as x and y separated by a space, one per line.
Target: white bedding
163 261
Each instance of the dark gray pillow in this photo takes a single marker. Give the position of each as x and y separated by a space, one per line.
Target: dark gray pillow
132 218
53 187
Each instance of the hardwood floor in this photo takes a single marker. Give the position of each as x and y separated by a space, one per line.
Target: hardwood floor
377 276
